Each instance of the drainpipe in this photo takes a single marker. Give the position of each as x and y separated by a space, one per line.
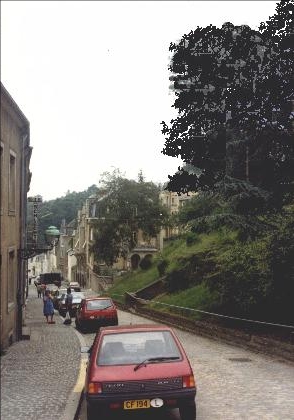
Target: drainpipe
22 264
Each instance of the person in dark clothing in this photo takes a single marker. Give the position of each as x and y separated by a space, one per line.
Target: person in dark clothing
68 301
39 290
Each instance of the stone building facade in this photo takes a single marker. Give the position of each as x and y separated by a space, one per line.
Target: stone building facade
173 202
15 181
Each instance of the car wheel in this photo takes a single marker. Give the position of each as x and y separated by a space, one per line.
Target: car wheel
94 413
82 327
91 413
188 412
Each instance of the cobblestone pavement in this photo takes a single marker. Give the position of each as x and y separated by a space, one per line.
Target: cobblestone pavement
37 375
233 383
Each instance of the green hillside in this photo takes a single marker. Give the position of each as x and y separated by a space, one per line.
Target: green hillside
219 273
181 259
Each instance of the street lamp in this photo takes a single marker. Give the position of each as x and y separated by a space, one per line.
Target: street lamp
52 236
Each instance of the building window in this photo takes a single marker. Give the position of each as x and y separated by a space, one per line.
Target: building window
11 279
135 237
1 176
12 181
93 210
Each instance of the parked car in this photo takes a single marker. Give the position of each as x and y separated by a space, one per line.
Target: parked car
77 298
52 288
139 367
95 312
51 278
75 286
57 295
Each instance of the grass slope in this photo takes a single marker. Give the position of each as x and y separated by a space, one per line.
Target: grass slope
178 255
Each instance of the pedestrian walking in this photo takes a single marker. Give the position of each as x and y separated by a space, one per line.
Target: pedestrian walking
39 290
68 302
43 289
48 308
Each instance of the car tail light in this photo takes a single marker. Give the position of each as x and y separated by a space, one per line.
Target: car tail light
94 388
114 405
170 402
188 381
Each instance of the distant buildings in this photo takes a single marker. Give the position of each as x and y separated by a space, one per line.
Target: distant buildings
15 183
173 202
76 259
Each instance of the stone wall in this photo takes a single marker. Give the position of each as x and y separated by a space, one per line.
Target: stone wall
237 337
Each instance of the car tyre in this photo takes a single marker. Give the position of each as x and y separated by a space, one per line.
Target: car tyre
82 327
92 414
188 412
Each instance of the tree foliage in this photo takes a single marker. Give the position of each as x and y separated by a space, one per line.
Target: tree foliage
234 132
53 212
232 87
126 207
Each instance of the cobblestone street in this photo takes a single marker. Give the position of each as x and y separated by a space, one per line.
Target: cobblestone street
37 375
232 383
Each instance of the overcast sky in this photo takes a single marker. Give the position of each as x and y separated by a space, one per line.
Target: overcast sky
92 78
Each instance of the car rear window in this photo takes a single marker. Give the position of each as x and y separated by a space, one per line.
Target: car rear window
93 305
135 347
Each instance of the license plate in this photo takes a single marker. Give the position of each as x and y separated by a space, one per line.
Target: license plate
136 404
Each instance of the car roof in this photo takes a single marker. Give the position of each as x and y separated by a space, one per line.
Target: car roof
98 298
135 327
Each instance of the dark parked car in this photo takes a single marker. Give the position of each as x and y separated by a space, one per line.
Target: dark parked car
77 298
51 278
139 367
95 312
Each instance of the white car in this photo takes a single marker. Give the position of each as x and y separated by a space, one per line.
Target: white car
75 285
77 299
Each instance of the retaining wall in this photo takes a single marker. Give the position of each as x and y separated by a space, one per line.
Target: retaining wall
234 336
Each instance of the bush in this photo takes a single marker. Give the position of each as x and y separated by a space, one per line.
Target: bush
192 238
177 280
161 267
145 263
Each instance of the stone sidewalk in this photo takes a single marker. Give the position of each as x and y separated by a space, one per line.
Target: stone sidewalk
38 375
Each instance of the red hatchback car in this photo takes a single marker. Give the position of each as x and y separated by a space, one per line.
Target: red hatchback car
95 312
139 367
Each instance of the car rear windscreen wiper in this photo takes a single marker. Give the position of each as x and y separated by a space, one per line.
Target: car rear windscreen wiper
155 359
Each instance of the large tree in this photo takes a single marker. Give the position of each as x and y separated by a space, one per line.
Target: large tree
125 207
234 122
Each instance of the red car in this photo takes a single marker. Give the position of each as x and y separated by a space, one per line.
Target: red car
139 367
95 312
